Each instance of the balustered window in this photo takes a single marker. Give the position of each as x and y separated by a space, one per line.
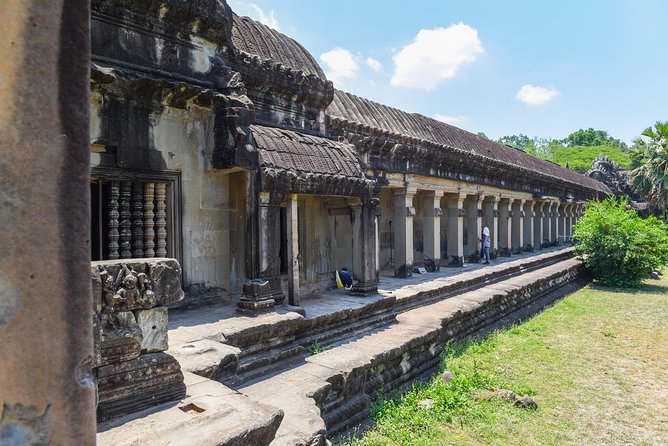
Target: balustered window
134 216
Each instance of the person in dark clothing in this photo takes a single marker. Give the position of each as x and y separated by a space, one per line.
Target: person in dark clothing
346 277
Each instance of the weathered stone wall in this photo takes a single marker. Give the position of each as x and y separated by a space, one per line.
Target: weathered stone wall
130 299
46 388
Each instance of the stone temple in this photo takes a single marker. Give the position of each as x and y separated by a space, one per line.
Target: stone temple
229 180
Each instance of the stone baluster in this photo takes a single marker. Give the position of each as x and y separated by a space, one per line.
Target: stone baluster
125 223
113 221
160 222
137 219
149 233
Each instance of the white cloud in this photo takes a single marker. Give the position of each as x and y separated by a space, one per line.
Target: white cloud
340 64
435 55
451 119
532 95
268 19
374 64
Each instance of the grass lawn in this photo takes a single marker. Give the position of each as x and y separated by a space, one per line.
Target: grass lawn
596 363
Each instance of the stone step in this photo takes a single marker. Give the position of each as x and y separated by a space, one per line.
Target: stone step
330 393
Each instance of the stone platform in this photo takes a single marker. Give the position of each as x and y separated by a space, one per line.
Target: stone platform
373 344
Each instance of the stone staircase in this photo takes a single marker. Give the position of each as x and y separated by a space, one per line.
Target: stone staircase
249 376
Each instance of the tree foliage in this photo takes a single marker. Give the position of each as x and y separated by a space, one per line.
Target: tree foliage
649 159
620 248
591 137
579 158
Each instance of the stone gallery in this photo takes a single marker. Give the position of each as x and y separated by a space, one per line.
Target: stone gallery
227 171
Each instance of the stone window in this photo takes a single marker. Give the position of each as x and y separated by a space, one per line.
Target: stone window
134 215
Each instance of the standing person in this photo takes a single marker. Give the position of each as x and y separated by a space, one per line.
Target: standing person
485 243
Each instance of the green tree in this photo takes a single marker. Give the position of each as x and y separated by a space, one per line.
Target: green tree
518 141
591 137
649 160
618 247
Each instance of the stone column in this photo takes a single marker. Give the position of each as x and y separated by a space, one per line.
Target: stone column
568 211
529 215
474 214
505 227
432 225
554 222
47 390
293 250
491 220
539 221
518 226
365 257
403 231
547 224
455 229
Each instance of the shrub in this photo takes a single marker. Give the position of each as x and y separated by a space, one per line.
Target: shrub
620 248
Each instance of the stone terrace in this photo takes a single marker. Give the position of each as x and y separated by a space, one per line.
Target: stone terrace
248 376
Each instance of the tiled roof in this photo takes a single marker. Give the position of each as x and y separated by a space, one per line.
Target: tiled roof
351 108
290 150
259 40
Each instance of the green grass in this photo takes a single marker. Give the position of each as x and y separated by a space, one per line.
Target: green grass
596 363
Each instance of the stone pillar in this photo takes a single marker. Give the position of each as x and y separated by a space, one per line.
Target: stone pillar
554 222
403 231
505 227
365 257
293 250
529 215
47 389
491 220
568 217
455 229
432 225
547 224
474 214
539 221
518 226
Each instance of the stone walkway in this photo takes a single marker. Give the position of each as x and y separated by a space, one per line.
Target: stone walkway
334 387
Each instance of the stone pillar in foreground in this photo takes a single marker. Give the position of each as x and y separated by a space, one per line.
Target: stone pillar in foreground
365 256
529 216
403 232
554 223
539 219
518 226
491 206
47 393
293 250
432 225
455 229
505 227
474 213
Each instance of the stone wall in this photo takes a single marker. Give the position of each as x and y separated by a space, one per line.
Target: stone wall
130 299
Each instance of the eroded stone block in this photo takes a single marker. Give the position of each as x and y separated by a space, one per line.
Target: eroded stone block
153 326
118 338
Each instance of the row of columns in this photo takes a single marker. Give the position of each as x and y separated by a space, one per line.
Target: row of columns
515 225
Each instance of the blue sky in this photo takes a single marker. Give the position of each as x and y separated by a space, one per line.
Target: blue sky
501 67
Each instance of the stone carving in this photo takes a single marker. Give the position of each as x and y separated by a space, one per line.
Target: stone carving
114 193
130 325
160 222
125 223
612 175
149 234
257 295
137 220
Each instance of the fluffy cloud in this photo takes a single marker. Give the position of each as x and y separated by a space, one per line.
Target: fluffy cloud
374 64
340 65
268 19
451 119
532 95
435 55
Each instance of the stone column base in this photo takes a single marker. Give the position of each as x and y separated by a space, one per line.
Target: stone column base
505 252
257 296
404 271
456 261
528 248
364 289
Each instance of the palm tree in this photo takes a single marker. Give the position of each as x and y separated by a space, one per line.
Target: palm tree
649 161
